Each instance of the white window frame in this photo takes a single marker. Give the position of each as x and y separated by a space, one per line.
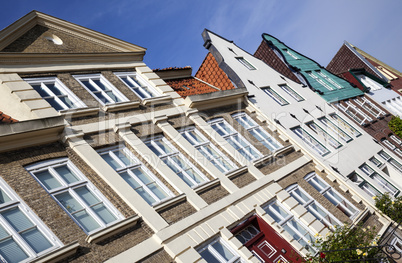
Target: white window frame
375 161
286 222
396 139
275 96
257 131
389 144
291 92
246 63
138 85
324 134
229 134
311 141
369 106
367 187
337 130
136 164
209 247
379 180
328 79
399 246
326 190
319 80
169 158
16 203
69 188
368 82
309 205
206 147
390 160
353 112
107 85
341 122
66 92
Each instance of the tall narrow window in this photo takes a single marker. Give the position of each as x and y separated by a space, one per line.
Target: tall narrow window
324 135
369 106
245 63
332 195
331 125
310 141
275 96
291 92
137 84
79 197
208 150
381 181
101 88
55 93
23 236
176 161
391 160
364 185
136 175
357 114
345 125
312 206
235 139
217 251
375 161
261 135
296 229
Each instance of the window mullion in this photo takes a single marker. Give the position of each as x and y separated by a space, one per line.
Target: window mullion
144 186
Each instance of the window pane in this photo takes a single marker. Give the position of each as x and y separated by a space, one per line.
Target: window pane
88 85
164 147
156 151
157 191
124 158
130 180
185 179
40 90
11 251
147 197
88 197
67 102
66 174
54 89
209 257
86 221
52 101
4 197
112 162
68 202
223 251
17 219
104 213
47 180
142 176
112 96
36 240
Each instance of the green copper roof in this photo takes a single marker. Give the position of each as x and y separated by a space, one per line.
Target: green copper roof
329 86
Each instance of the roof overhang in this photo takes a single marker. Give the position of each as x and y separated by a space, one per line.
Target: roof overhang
174 73
30 133
216 99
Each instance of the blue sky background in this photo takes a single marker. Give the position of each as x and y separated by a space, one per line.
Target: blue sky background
171 29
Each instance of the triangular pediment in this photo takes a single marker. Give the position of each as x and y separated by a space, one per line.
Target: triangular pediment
40 33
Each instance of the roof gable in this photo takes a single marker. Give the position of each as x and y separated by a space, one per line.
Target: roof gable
36 27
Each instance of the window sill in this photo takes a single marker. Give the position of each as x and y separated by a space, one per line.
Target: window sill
237 172
273 154
121 106
58 254
157 100
170 202
207 185
80 112
112 230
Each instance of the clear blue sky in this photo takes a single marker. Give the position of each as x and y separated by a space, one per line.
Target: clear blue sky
171 29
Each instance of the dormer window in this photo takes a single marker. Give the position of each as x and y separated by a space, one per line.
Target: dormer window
137 84
55 93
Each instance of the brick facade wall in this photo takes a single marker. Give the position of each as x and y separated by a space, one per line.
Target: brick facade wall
213 194
243 179
177 212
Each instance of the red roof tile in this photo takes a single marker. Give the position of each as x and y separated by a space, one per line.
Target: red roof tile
211 73
4 118
189 86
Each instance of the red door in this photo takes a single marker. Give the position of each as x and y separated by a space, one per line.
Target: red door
262 240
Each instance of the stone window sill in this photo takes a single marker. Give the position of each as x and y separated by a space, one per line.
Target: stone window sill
270 156
170 202
112 230
236 172
157 100
80 112
121 106
207 185
58 254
